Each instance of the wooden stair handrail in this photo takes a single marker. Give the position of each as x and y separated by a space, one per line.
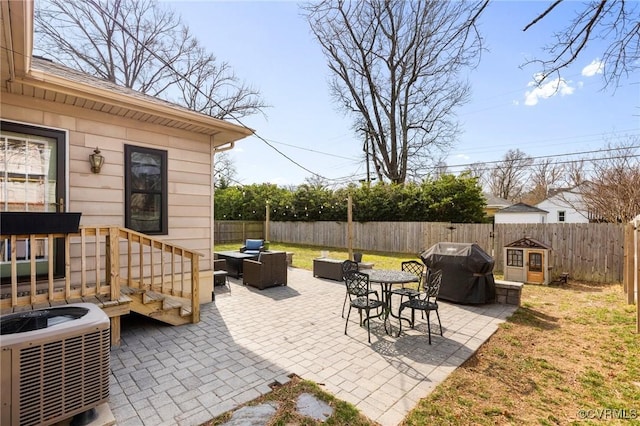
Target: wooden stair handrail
112 265
174 250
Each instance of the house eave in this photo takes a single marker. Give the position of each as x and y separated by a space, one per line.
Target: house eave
42 85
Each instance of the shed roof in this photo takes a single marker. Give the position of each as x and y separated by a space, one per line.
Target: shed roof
527 242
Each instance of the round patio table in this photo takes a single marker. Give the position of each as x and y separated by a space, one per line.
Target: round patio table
387 278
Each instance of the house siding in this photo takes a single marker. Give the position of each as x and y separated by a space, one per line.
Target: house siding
533 217
100 197
555 204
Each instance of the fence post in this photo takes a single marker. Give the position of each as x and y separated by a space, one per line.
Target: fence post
628 265
349 228
637 278
266 223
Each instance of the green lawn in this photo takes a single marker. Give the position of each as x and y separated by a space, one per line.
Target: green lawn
304 255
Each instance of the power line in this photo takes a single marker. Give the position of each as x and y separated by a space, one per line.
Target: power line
553 141
329 154
546 156
169 66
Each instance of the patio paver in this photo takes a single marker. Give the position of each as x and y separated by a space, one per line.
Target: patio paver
248 339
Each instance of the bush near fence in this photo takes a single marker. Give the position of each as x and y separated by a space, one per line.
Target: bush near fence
587 251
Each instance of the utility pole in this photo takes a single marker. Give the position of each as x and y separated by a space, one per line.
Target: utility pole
366 153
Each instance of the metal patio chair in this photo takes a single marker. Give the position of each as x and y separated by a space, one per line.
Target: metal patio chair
358 290
426 301
351 266
416 268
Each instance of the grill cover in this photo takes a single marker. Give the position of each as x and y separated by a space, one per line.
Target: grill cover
467 272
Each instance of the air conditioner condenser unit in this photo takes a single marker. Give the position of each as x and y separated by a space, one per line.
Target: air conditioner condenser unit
55 363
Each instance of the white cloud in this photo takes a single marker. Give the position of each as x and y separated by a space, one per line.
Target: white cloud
595 67
557 86
464 157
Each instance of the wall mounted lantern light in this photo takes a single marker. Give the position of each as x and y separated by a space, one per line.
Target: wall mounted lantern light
96 160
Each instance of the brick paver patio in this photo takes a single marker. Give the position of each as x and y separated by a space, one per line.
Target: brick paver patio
248 339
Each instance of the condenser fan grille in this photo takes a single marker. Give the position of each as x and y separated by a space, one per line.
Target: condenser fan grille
61 378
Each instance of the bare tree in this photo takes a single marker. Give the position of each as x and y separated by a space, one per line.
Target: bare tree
618 19
142 46
613 192
396 69
545 174
224 171
440 169
508 179
479 171
575 174
213 88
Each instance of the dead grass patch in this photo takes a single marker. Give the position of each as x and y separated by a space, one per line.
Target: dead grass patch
568 353
286 397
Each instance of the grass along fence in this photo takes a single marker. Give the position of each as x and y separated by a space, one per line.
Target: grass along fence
589 251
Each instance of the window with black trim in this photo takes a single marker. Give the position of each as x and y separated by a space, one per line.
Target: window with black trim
514 258
561 216
146 205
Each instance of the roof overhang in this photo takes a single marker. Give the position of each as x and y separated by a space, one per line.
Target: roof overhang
42 85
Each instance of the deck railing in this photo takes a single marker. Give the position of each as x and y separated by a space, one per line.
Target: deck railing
97 261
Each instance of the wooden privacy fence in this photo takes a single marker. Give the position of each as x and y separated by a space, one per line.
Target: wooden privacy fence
230 231
591 251
397 237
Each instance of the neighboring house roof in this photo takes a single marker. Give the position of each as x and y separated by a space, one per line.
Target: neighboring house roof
559 192
552 192
521 208
495 202
527 242
38 78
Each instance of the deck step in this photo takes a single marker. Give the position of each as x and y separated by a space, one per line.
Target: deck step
149 296
162 307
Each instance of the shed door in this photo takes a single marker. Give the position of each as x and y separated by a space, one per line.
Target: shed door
535 267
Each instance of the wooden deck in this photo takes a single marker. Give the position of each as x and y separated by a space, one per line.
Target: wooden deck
118 269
